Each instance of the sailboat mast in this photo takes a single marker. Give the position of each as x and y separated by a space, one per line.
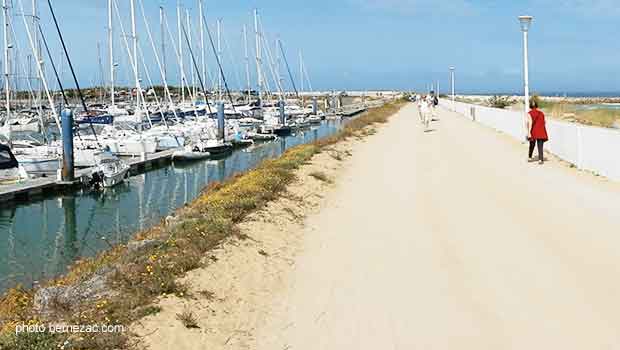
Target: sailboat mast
202 42
247 61
163 41
135 54
301 78
278 76
301 71
7 89
259 75
219 56
180 51
101 76
38 57
111 52
191 66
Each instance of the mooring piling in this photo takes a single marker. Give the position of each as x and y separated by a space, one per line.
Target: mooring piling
220 120
68 170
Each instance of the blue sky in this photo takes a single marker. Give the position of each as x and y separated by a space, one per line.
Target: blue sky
382 44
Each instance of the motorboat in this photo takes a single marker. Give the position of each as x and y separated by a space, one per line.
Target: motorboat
217 147
110 170
283 130
191 153
314 119
261 137
10 169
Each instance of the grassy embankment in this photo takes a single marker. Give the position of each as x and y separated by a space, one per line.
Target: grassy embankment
136 278
567 110
570 112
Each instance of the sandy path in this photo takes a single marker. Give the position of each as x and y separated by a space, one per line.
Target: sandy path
451 240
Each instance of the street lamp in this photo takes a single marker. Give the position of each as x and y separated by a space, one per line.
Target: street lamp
452 83
526 22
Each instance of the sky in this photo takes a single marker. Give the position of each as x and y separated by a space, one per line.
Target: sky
366 44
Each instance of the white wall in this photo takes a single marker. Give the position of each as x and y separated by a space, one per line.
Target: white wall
590 148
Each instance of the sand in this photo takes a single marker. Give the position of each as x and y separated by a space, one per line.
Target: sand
441 240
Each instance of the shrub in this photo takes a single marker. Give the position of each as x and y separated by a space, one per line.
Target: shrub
501 102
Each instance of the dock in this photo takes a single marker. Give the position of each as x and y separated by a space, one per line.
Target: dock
42 185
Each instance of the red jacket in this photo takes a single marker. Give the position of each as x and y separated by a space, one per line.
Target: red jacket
539 130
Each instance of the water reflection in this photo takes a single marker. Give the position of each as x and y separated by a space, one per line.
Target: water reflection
43 237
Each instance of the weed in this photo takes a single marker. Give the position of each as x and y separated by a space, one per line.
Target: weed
188 319
149 310
210 296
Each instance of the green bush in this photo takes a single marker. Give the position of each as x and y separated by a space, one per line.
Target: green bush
501 102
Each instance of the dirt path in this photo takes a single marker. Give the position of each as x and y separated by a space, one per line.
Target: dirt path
451 240
440 240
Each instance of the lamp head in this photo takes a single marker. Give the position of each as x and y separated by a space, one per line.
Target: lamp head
525 21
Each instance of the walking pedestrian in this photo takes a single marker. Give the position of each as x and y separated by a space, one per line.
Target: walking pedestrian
537 131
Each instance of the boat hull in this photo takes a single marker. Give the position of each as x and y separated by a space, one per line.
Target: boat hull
131 148
111 180
30 127
100 120
283 131
189 156
40 165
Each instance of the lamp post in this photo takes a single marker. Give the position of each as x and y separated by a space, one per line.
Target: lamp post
526 21
452 83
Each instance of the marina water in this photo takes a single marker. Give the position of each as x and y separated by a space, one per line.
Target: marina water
42 237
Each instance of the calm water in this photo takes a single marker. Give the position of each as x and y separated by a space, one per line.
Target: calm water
41 238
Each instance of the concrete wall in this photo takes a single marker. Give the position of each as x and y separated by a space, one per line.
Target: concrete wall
587 147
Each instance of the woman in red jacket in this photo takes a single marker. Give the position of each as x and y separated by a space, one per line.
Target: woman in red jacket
537 131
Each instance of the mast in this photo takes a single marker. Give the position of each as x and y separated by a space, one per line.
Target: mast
111 51
7 89
101 74
38 58
180 51
134 38
247 61
258 60
301 78
301 71
219 57
191 66
202 42
163 40
278 76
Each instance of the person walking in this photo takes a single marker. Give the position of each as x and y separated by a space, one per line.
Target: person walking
425 112
537 131
421 101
